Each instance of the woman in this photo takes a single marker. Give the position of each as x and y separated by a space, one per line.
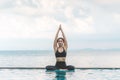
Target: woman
60 48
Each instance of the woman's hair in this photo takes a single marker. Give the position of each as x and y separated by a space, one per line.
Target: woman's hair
60 38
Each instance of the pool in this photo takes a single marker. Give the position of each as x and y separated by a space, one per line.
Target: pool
78 74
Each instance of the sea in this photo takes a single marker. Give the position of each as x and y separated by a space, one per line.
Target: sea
89 64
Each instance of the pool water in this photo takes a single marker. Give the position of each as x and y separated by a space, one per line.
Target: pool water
42 74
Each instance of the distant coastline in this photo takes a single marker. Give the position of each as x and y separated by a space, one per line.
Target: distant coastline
84 49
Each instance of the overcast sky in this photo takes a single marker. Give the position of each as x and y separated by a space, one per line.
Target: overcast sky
32 24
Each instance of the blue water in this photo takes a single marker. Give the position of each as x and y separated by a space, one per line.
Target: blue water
78 58
41 74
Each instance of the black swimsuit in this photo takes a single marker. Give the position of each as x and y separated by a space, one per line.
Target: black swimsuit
60 65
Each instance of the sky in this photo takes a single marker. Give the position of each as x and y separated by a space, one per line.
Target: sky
32 24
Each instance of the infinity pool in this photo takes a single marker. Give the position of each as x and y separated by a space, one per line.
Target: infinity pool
41 74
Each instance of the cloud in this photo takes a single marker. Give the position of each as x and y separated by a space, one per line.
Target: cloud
116 17
14 26
83 26
38 18
82 21
107 1
34 7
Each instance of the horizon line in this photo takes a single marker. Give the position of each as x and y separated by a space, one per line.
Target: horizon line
87 49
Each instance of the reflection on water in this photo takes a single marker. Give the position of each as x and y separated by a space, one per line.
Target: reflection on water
60 75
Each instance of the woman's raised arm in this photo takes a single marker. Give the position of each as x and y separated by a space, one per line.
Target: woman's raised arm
65 40
55 41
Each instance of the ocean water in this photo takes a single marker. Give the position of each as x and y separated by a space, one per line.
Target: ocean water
43 58
80 59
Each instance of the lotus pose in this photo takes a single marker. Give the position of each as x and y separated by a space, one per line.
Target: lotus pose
60 48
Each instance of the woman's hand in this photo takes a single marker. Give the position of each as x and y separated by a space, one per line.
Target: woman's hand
60 27
65 40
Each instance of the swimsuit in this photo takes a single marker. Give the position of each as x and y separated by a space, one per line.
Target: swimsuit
62 64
